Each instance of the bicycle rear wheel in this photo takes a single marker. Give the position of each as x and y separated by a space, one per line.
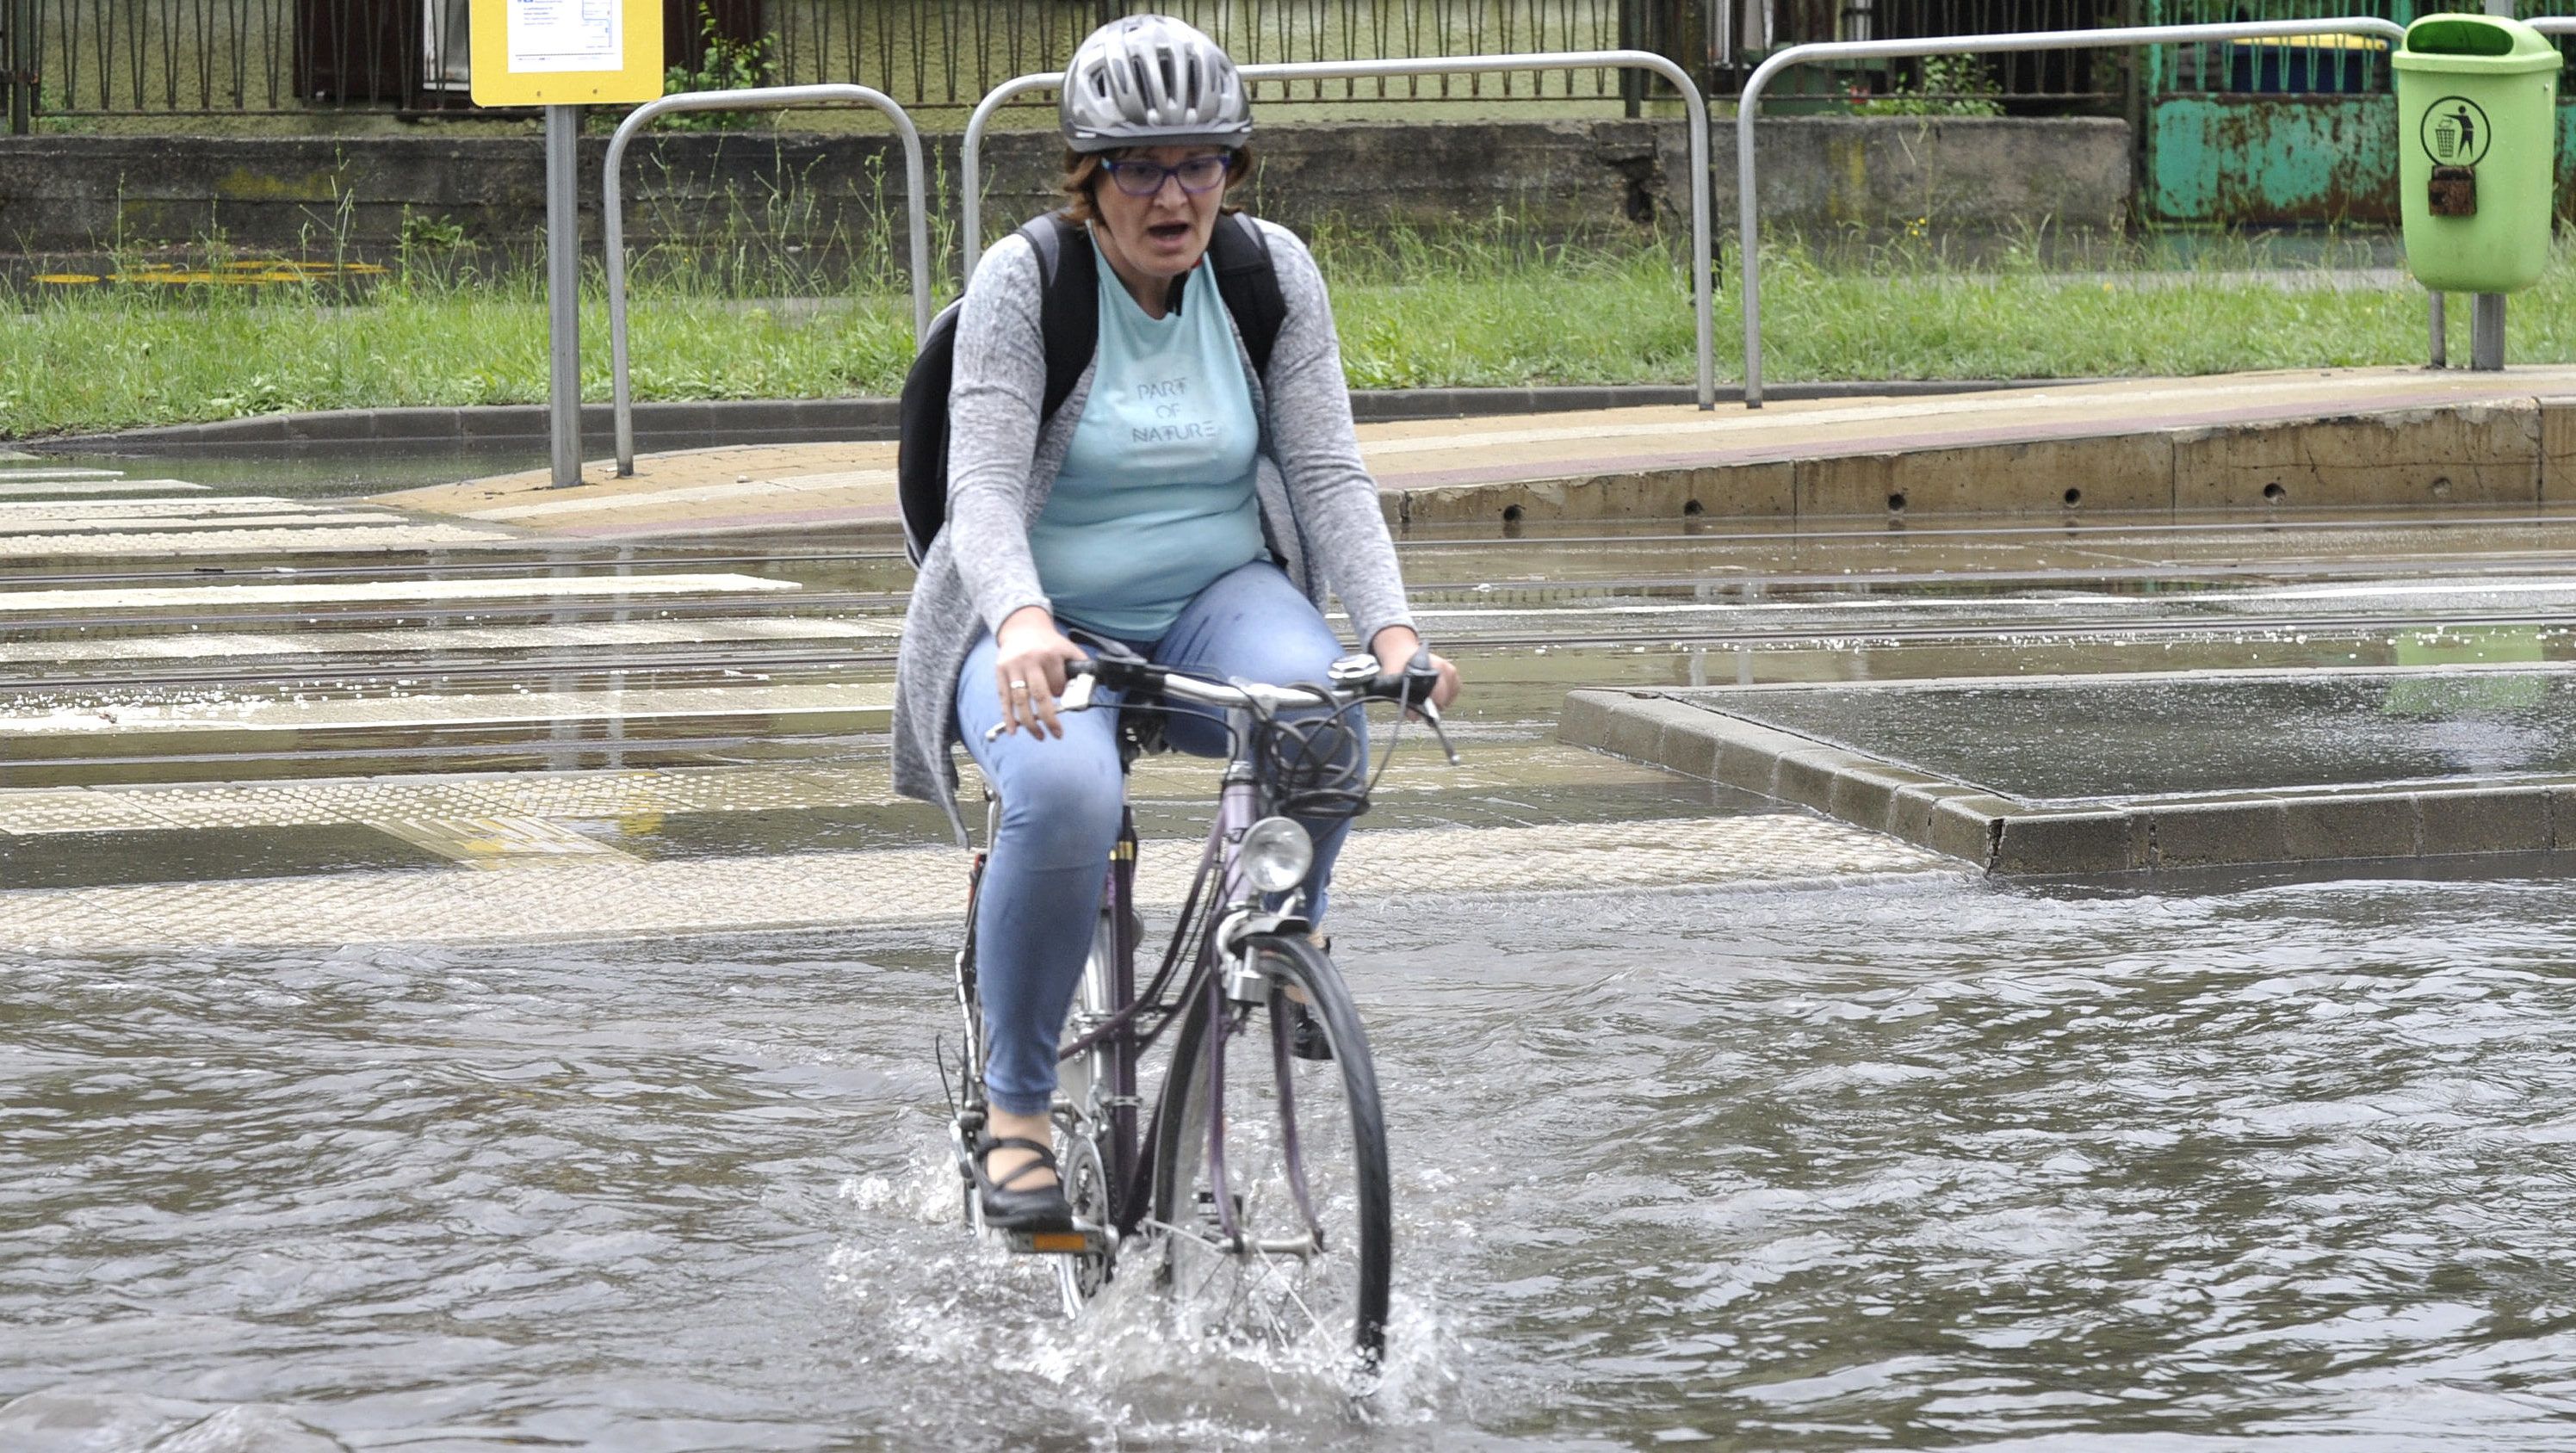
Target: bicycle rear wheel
1300 1251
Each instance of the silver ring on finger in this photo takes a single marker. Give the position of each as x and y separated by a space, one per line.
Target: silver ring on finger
1019 686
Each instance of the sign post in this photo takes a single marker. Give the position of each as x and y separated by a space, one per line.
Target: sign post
18 66
563 55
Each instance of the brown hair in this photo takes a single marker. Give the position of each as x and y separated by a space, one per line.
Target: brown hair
1082 173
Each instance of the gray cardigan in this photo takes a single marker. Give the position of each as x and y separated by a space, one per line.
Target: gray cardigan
1319 507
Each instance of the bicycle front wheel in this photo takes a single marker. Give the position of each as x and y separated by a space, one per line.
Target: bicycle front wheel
1270 1170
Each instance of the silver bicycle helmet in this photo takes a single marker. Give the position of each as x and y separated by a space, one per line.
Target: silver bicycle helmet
1151 80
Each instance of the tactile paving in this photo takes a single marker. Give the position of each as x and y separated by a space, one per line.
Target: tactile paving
598 896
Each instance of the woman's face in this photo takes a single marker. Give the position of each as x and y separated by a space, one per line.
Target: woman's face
1165 233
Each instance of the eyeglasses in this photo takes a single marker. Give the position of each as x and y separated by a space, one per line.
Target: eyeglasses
1140 178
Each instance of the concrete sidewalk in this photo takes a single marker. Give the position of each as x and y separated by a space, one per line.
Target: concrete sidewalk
2287 440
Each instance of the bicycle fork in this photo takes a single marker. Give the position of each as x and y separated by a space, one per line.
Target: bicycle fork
1240 981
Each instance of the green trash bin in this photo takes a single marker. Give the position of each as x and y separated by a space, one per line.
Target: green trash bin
2477 149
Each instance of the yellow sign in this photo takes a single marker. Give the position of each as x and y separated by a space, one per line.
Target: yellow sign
566 52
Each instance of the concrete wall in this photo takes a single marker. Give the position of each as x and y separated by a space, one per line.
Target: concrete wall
64 194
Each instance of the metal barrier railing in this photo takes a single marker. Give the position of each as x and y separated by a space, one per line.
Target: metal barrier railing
767 98
1748 202
970 183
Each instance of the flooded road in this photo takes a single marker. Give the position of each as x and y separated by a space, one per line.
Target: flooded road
1934 1164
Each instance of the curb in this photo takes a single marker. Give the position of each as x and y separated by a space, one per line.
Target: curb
2008 838
2510 449
806 421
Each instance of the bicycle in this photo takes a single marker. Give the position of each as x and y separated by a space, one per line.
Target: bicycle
1261 1177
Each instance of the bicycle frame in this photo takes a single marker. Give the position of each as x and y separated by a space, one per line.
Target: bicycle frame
1117 1022
1112 1028
1116 1034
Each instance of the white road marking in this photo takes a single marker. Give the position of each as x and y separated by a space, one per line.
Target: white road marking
119 524
221 645
201 504
343 539
494 709
2385 587
365 592
14 485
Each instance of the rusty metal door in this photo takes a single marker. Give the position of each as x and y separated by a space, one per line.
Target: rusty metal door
2270 133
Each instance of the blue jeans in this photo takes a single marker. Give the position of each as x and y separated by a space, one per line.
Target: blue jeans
1062 798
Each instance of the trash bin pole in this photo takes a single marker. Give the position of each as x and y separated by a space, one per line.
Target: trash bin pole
2486 316
2486 333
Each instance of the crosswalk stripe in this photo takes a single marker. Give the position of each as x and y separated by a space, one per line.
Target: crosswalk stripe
292 520
364 592
494 709
336 539
224 645
231 504
14 485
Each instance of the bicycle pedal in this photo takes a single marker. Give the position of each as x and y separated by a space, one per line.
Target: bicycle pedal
1084 1239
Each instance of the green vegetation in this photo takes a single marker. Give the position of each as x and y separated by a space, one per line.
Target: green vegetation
1463 309
1943 85
724 64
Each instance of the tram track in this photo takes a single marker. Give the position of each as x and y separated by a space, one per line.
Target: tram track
283 676
1954 587
645 557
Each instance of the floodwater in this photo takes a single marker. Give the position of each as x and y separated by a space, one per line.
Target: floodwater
1928 1164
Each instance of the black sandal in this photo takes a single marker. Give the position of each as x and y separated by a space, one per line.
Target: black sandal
1306 1034
1036 1208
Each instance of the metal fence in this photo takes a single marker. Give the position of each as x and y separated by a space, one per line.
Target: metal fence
177 58
942 53
199 57
2047 80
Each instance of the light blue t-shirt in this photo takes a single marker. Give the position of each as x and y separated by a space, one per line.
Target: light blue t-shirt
1155 500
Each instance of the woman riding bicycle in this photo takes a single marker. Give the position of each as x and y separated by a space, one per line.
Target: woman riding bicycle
1177 503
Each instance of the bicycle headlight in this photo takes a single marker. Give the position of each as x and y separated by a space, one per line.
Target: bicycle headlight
1276 854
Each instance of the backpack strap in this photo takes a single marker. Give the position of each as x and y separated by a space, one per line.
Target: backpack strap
1248 280
1068 303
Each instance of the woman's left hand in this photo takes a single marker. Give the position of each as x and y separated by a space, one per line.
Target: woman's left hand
1394 648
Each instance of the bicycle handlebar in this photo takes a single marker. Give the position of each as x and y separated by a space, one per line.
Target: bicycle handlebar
1410 688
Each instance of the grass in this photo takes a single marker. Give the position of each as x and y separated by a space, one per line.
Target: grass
1466 308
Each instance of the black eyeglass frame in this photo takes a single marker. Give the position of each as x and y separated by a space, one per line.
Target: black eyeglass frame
1119 171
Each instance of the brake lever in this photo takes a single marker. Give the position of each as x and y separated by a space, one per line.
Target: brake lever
1420 669
1077 697
1431 718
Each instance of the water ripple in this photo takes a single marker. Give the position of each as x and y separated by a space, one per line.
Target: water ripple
1938 1165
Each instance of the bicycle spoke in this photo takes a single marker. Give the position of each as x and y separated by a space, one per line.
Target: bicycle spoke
1291 1253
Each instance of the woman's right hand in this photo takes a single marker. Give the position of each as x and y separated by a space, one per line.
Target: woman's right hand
1028 670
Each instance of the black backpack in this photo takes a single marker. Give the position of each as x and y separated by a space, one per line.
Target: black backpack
1069 315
